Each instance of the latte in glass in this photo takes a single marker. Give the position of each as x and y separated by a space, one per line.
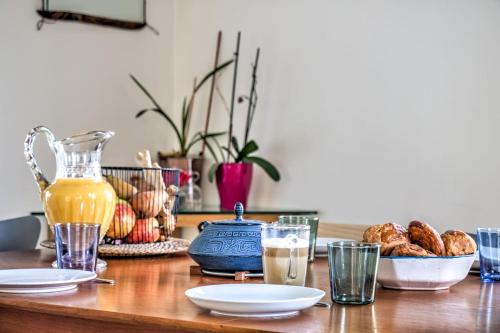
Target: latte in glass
285 260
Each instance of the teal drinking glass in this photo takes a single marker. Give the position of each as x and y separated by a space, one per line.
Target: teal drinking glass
353 270
309 220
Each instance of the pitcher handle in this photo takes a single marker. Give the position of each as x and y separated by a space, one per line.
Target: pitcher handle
30 157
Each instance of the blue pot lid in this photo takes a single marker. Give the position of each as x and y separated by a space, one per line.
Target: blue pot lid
238 220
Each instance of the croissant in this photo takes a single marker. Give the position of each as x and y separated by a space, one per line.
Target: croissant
427 237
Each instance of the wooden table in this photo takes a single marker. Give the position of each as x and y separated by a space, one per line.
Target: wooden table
149 297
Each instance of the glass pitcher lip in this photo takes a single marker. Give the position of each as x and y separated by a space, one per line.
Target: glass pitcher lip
86 137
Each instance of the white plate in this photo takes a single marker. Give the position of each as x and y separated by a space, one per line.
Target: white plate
423 273
322 241
254 300
41 280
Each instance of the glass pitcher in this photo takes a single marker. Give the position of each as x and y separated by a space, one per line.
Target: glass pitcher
78 194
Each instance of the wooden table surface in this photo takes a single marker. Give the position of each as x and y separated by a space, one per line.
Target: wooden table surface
149 297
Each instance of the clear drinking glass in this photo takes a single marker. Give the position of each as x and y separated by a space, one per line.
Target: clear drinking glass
285 248
488 240
76 245
309 220
353 271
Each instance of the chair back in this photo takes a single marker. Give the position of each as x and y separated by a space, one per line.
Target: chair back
19 234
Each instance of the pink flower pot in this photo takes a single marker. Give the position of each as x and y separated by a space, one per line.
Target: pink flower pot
233 183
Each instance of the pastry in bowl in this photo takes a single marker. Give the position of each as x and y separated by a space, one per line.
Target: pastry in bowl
427 237
388 235
458 243
410 250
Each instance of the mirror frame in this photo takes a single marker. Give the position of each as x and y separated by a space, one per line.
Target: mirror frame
52 15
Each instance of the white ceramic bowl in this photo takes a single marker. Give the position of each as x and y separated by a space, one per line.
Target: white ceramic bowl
423 273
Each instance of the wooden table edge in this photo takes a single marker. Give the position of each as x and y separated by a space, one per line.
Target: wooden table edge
144 322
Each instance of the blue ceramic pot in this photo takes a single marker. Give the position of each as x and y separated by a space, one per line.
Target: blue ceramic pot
228 245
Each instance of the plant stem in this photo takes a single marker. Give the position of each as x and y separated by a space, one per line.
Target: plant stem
233 94
250 98
189 112
212 87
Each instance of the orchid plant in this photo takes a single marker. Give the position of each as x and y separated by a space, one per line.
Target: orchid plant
182 131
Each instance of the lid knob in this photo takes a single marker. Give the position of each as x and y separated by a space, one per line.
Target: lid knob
238 211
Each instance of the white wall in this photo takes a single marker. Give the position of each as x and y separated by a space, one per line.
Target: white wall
374 110
73 77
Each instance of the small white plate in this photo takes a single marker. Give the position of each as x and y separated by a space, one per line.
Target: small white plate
321 250
41 280
254 300
423 273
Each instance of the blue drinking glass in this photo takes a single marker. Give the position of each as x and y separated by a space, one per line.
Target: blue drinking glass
488 240
76 245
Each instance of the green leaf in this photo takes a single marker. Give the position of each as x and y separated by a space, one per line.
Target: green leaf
249 148
184 115
213 134
196 138
142 112
211 73
183 139
200 137
211 172
212 151
145 91
234 142
266 166
220 148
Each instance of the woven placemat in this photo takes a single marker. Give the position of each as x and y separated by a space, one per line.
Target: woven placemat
170 246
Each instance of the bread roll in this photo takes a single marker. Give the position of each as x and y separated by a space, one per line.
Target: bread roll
458 243
388 235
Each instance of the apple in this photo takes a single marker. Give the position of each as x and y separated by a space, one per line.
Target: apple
144 231
123 220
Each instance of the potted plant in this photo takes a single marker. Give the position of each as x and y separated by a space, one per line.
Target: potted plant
182 157
234 174
233 167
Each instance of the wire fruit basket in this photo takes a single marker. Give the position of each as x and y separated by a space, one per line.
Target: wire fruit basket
146 209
